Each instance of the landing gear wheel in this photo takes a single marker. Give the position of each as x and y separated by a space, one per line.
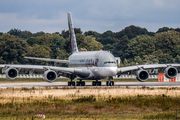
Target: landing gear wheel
73 83
69 83
82 83
77 83
98 83
109 83
112 83
93 83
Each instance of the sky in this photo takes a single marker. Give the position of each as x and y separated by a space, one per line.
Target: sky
97 15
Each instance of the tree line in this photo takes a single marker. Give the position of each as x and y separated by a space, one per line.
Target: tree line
134 45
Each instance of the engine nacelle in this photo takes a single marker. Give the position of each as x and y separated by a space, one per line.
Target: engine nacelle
11 73
170 72
50 76
142 75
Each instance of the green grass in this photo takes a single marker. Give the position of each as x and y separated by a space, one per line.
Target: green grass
136 107
18 80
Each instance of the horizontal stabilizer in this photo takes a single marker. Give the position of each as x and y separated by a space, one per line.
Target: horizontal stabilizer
48 59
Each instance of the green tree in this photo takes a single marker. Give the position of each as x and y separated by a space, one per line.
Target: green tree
164 29
138 60
125 62
1 33
150 59
38 34
32 40
177 59
25 34
140 46
58 43
3 40
37 51
1 60
80 39
92 44
91 33
45 39
132 31
63 55
120 47
109 47
168 42
15 32
14 50
78 31
88 42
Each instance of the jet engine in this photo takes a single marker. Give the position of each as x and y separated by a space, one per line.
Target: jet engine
50 76
170 72
142 75
11 73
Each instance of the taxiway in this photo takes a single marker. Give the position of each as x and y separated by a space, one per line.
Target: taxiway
89 84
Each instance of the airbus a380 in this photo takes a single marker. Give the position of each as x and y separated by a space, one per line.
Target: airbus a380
88 65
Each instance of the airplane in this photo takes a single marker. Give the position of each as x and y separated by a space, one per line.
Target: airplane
86 65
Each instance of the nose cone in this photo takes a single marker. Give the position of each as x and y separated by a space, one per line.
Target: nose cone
111 71
104 72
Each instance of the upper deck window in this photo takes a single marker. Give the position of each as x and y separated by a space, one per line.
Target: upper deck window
109 62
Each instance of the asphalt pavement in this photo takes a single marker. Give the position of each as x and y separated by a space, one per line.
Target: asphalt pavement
89 84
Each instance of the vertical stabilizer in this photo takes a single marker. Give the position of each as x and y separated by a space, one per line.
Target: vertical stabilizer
72 35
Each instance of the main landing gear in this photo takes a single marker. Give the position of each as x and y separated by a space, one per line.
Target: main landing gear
78 83
96 83
108 83
71 83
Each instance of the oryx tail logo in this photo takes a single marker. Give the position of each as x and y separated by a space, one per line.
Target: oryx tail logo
72 35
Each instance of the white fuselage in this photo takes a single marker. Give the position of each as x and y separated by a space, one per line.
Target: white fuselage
101 64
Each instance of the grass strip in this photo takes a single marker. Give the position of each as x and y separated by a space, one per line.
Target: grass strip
20 80
85 107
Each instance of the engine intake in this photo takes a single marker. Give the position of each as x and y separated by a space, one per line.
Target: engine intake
142 75
50 76
11 73
170 72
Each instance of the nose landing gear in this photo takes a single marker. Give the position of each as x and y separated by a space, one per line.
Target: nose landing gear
109 82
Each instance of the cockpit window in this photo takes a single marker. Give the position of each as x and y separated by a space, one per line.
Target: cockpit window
109 62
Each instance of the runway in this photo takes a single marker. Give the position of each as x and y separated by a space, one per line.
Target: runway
89 84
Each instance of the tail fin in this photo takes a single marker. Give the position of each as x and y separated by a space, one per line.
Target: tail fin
72 35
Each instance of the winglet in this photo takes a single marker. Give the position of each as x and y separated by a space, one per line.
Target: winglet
73 43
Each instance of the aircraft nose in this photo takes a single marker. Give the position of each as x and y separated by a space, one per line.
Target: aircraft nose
112 71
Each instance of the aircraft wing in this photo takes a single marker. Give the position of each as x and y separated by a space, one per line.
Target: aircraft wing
150 66
12 71
36 67
50 72
48 59
142 75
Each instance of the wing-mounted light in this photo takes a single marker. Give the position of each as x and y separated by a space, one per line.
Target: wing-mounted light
142 75
170 72
11 73
50 75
